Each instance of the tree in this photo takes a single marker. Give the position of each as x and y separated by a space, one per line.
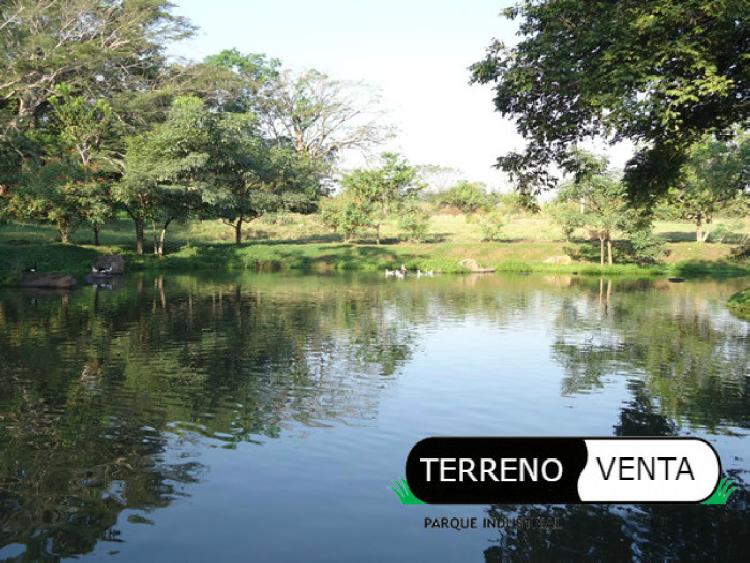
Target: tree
594 200
91 129
413 220
99 46
468 197
712 181
76 76
167 168
239 82
661 73
347 213
70 185
322 117
253 174
383 189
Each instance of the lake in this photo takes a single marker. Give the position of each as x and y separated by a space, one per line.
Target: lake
263 416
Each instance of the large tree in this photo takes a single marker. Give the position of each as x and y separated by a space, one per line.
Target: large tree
322 117
252 175
254 171
661 73
380 191
593 200
97 46
166 169
713 180
76 77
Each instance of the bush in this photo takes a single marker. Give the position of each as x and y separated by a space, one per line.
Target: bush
646 247
346 215
469 197
741 252
722 232
491 226
515 202
413 221
739 303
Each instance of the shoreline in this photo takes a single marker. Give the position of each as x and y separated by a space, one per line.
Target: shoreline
277 256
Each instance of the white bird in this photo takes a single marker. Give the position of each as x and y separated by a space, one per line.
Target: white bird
400 274
419 273
389 273
429 273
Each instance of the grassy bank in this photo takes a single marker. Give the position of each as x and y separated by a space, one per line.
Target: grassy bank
739 304
295 242
269 256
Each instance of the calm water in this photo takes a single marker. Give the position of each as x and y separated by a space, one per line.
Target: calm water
261 417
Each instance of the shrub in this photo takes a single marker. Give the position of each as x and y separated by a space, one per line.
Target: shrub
741 252
469 197
646 247
516 202
491 226
346 215
413 221
722 232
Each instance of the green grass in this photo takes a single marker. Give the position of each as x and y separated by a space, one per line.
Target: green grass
291 241
739 304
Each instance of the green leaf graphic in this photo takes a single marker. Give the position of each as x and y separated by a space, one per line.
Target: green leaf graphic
403 492
723 491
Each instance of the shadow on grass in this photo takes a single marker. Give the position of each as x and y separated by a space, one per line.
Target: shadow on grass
270 256
48 257
718 268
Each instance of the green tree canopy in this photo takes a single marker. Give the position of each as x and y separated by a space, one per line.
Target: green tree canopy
713 180
166 168
593 200
661 73
383 189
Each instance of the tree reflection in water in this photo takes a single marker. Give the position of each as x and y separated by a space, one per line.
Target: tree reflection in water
101 393
687 370
107 399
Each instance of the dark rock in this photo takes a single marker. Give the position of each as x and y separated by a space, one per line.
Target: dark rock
111 264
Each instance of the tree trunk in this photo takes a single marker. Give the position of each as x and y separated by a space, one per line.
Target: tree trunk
162 238
63 229
238 231
377 234
601 251
96 234
138 235
698 228
609 251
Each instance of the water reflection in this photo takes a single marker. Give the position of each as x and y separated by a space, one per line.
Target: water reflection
110 399
693 359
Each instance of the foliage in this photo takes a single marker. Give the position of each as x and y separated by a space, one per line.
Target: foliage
491 225
381 191
593 200
646 247
167 168
517 202
347 214
713 180
660 73
468 197
739 303
413 221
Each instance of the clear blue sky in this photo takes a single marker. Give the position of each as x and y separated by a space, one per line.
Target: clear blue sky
416 52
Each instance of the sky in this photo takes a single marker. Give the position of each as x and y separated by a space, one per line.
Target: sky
416 53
